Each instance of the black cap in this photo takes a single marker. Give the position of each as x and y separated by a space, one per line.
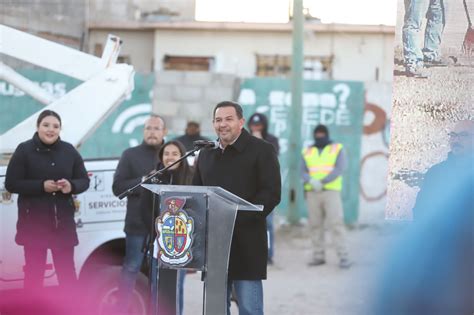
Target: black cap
256 119
321 129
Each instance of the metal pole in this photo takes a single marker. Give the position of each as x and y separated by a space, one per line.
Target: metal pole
294 171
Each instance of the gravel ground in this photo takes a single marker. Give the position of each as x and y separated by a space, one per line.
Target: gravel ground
423 111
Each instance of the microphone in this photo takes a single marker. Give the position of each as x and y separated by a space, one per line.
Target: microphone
199 144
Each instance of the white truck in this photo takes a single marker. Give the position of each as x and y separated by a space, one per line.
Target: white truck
99 214
99 220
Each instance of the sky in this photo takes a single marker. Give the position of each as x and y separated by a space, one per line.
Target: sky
276 11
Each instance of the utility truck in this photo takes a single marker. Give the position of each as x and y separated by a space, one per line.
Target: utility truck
99 214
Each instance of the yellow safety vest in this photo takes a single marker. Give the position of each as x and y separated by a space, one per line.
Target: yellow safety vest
320 165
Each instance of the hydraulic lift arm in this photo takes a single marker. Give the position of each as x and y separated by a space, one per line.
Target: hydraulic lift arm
106 84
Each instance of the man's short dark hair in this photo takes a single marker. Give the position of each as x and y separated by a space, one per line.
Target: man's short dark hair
192 123
235 105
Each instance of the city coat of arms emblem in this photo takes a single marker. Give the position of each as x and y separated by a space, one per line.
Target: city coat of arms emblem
174 233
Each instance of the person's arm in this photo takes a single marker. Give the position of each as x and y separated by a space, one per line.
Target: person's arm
304 171
268 179
16 180
277 146
80 180
429 195
145 204
341 164
197 180
123 177
274 141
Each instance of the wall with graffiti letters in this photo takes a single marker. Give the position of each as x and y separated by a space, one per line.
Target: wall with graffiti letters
374 152
337 104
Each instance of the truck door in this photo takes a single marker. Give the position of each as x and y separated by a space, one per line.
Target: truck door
11 255
12 260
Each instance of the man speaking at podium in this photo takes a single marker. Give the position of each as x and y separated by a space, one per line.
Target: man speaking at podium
248 167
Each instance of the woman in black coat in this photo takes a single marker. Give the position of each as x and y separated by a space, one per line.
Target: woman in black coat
179 174
45 172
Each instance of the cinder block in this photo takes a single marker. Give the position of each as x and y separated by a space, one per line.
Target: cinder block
198 78
187 93
177 126
165 107
193 111
223 79
214 95
169 78
163 92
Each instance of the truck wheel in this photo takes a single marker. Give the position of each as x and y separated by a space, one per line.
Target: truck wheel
103 287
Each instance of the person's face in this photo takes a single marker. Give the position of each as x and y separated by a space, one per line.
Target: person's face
319 135
48 129
154 131
461 138
256 128
192 130
227 125
170 155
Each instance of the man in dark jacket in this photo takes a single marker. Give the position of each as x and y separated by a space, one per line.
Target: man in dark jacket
460 159
258 127
249 168
191 134
430 268
134 164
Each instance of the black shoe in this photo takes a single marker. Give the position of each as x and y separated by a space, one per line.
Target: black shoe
414 72
435 63
317 262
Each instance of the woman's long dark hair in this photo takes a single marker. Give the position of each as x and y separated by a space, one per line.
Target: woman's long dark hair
183 175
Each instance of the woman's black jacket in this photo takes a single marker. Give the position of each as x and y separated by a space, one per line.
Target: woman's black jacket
45 219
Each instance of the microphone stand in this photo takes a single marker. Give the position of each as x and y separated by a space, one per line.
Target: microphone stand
153 271
157 172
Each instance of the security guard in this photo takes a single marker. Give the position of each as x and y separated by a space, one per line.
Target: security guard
324 164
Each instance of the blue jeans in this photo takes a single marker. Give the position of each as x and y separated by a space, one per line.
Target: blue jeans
270 234
415 11
249 296
131 267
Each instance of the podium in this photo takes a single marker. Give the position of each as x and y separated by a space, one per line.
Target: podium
194 231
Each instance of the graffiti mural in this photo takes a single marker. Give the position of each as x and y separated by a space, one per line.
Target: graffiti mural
374 152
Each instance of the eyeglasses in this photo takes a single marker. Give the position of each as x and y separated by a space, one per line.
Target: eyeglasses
154 129
461 135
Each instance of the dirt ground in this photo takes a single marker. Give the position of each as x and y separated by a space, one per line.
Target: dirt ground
423 111
294 288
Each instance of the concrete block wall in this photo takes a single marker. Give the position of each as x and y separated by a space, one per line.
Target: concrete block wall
191 95
60 21
48 17
151 10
